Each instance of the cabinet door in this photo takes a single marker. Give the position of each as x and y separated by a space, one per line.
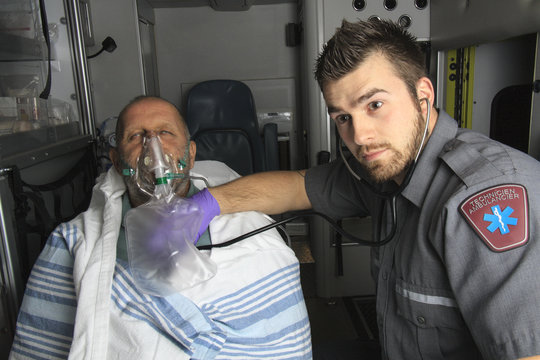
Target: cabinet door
42 96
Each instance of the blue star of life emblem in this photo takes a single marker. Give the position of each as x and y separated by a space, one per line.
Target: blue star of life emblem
482 211
500 219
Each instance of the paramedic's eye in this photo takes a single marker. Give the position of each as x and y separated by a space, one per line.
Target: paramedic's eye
342 119
375 105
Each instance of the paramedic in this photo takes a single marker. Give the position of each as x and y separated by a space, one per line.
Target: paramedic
459 280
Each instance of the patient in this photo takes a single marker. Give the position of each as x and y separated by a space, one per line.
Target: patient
81 301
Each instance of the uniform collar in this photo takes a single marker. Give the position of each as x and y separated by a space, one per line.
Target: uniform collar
445 130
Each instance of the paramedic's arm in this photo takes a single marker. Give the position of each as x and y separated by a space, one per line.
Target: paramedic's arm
272 193
537 357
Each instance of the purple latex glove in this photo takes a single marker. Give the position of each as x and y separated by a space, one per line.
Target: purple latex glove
209 206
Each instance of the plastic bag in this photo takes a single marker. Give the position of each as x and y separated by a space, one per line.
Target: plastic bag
161 254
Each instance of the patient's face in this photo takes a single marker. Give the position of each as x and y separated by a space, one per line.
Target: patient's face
152 117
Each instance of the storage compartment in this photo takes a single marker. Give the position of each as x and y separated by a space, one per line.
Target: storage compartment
28 121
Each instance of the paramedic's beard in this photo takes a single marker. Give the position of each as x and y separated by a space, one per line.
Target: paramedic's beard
381 171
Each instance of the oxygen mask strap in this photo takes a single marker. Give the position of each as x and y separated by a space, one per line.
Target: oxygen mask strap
181 165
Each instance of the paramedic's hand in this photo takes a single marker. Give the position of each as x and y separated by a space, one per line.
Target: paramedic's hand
210 208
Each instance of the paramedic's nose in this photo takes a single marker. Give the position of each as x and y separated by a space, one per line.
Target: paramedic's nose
362 128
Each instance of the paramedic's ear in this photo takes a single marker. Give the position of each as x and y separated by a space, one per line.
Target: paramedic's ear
424 89
192 152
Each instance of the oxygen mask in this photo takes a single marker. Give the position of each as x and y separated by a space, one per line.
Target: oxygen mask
160 233
158 174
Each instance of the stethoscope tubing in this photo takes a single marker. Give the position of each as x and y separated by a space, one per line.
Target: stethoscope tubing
390 196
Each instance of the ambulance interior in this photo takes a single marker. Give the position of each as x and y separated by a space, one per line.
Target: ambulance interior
483 57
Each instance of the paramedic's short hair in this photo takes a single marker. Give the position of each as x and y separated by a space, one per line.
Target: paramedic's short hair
120 122
352 43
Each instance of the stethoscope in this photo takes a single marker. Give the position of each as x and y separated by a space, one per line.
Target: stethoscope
390 196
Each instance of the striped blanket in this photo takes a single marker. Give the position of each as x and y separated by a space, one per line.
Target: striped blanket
81 301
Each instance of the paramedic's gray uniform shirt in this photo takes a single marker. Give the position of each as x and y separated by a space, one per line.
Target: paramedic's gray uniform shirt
444 291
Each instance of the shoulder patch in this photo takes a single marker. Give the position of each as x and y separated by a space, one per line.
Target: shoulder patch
499 215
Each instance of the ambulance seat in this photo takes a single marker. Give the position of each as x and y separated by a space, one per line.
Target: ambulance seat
222 120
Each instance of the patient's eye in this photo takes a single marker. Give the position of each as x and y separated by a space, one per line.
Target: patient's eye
135 137
166 132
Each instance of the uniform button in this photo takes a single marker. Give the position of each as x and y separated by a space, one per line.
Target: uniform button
421 320
384 275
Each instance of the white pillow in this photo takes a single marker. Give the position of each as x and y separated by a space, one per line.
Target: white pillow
214 172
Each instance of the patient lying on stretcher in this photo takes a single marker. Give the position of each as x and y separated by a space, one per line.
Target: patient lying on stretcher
82 300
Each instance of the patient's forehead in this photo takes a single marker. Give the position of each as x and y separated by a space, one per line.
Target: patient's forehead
153 107
152 114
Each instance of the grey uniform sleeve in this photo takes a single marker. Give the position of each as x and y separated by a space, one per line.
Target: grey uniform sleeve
498 292
334 192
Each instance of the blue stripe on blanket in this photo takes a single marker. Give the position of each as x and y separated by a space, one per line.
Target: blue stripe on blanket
265 307
51 286
46 279
302 352
68 233
144 318
64 236
30 354
295 345
161 315
47 283
274 335
46 328
51 298
264 282
274 301
45 321
56 239
260 311
41 338
66 270
34 343
131 297
284 338
263 299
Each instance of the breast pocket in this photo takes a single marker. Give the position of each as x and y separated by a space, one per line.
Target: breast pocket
435 322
